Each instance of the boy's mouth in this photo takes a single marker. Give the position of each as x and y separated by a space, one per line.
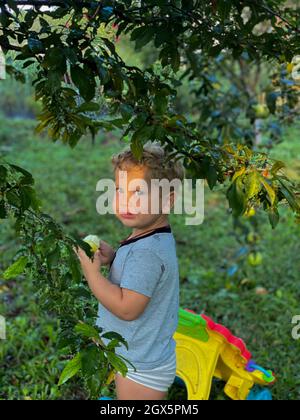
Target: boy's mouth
127 215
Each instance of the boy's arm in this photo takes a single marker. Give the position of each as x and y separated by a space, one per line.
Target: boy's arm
124 303
140 276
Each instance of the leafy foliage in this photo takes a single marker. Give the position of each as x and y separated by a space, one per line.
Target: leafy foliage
79 72
75 64
48 259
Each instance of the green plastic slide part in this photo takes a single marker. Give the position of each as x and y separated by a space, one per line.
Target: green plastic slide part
192 325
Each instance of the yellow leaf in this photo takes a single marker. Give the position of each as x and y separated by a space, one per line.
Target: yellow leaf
271 192
239 173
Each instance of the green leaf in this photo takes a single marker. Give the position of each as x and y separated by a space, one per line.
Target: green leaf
113 335
163 35
13 199
28 63
109 45
212 176
160 103
116 362
94 383
138 138
71 369
88 107
90 360
70 55
84 81
113 344
53 258
187 4
13 6
85 246
27 175
28 198
274 216
277 166
126 111
75 267
136 147
145 37
289 196
16 268
55 61
44 23
86 330
175 59
3 212
138 33
224 8
81 292
3 175
35 45
236 197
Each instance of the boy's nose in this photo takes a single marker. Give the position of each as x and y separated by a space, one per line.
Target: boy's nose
125 199
124 204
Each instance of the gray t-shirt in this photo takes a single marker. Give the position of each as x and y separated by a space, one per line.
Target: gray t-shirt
147 265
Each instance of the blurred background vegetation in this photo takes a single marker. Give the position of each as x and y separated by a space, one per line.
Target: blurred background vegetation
255 295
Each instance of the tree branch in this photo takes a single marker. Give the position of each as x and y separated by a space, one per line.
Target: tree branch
276 14
9 47
49 3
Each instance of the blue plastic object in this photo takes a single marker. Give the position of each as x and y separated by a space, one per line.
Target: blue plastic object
105 398
178 381
258 394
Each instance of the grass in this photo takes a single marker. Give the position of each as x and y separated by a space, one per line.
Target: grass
66 182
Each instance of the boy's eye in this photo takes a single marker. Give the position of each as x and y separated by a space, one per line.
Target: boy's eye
139 192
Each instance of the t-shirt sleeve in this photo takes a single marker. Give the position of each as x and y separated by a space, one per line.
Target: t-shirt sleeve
142 271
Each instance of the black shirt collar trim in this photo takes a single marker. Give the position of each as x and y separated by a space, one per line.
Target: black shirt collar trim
163 229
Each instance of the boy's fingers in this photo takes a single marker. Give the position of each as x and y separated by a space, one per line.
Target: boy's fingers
78 251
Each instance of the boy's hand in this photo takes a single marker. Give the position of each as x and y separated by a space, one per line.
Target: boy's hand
90 268
106 253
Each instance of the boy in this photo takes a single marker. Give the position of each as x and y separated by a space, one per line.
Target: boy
140 299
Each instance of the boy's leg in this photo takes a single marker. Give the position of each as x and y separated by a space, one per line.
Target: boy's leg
127 389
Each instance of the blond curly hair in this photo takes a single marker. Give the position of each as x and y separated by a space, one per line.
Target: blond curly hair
154 159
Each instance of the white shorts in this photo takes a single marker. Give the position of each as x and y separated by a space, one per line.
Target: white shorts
160 378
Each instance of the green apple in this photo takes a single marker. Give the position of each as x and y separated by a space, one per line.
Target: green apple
93 241
250 212
261 111
290 67
255 259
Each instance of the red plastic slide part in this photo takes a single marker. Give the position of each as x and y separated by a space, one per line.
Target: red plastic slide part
226 333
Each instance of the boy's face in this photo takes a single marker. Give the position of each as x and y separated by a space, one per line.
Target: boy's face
132 199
